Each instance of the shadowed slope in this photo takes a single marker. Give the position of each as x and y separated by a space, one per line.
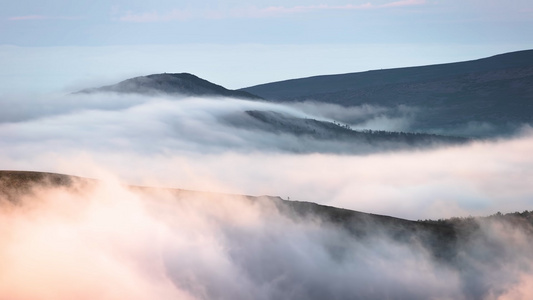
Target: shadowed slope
179 83
439 237
495 91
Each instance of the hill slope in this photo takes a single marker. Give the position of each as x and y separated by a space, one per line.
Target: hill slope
266 239
16 184
495 91
440 237
179 83
344 139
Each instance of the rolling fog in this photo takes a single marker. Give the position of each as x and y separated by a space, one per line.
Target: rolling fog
109 242
102 240
188 143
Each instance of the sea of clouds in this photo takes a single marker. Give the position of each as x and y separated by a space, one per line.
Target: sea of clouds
188 143
109 242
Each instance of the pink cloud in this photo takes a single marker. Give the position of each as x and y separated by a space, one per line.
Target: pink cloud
254 12
403 3
276 10
154 16
281 10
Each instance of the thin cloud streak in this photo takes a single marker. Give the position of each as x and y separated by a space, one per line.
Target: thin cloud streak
41 17
403 3
254 12
30 17
174 15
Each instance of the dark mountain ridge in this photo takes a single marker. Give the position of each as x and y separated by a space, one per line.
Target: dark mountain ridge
484 97
487 97
168 83
299 88
324 131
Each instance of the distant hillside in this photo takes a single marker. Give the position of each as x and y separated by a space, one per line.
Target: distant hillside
179 83
355 140
495 91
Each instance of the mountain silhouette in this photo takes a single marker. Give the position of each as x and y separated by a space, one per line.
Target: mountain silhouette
167 83
494 93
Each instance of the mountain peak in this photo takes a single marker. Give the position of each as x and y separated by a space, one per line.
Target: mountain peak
171 83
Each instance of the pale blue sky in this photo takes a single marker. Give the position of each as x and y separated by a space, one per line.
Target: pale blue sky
240 43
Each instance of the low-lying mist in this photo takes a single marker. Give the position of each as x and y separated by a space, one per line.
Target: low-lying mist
362 117
188 143
106 241
103 240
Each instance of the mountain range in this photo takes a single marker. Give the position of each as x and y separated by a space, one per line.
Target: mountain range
494 92
481 98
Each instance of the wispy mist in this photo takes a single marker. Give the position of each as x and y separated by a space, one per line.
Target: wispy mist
189 143
362 117
107 241
175 125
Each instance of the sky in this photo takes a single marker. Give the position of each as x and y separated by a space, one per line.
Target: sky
61 46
